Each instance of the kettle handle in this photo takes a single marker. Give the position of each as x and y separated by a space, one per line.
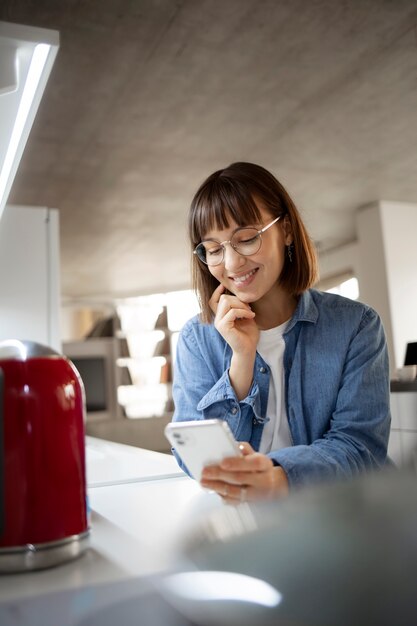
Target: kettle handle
2 456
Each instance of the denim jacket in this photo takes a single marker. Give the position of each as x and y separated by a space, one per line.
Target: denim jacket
336 388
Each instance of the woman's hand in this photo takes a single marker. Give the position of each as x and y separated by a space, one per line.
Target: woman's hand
235 322
252 476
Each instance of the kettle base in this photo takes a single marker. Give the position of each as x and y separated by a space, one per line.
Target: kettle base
41 556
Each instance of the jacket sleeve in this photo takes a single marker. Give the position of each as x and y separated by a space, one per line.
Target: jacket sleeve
357 438
202 388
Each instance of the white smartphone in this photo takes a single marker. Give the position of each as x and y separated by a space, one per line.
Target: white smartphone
202 442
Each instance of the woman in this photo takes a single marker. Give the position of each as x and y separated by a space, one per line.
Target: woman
300 376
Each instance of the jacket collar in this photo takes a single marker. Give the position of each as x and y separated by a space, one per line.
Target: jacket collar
306 310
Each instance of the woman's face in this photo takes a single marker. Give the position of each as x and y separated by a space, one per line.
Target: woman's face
250 278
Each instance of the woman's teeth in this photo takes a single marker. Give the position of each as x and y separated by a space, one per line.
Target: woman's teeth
241 279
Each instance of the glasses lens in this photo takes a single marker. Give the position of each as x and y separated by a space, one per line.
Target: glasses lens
246 241
210 252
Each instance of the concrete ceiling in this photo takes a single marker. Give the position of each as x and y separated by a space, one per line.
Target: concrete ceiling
148 97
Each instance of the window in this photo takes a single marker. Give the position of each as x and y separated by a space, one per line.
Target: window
348 288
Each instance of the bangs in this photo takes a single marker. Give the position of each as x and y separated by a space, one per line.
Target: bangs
217 202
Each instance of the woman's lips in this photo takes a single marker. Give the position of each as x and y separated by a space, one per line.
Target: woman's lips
244 279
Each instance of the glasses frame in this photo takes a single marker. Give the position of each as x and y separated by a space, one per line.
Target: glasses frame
229 241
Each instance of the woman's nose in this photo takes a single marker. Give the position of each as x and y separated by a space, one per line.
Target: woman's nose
232 259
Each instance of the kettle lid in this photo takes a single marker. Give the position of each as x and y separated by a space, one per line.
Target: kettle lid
21 350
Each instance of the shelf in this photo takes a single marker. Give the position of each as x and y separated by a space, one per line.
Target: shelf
139 361
127 361
122 334
145 401
149 359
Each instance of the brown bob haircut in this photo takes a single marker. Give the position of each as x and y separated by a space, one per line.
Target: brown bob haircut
231 192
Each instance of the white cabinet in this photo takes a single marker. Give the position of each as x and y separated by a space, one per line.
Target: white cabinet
29 275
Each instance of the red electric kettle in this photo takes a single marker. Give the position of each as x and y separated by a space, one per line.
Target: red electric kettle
43 509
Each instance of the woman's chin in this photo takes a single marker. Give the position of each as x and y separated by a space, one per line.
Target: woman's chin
245 296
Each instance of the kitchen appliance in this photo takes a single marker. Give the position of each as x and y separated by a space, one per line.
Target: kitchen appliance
43 504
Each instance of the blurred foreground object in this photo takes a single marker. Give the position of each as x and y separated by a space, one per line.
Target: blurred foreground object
333 556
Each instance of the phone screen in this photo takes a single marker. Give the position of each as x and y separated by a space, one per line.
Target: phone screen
202 443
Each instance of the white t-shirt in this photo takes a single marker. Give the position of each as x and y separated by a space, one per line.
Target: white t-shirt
276 433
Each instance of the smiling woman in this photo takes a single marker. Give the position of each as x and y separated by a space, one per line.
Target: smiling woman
246 195
300 376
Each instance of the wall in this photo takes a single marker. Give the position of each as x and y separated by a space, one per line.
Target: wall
383 260
29 275
399 230
372 271
78 320
339 262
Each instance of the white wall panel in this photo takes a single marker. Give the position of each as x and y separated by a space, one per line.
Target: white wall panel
29 275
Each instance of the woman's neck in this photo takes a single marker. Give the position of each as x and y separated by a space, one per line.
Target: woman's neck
274 309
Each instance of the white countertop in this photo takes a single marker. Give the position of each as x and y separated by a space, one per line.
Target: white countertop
110 463
141 505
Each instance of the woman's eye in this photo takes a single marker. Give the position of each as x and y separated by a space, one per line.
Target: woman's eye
213 251
248 241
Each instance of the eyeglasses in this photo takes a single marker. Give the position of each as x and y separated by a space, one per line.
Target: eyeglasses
245 241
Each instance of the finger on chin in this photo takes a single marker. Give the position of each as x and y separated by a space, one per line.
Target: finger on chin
218 292
214 300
